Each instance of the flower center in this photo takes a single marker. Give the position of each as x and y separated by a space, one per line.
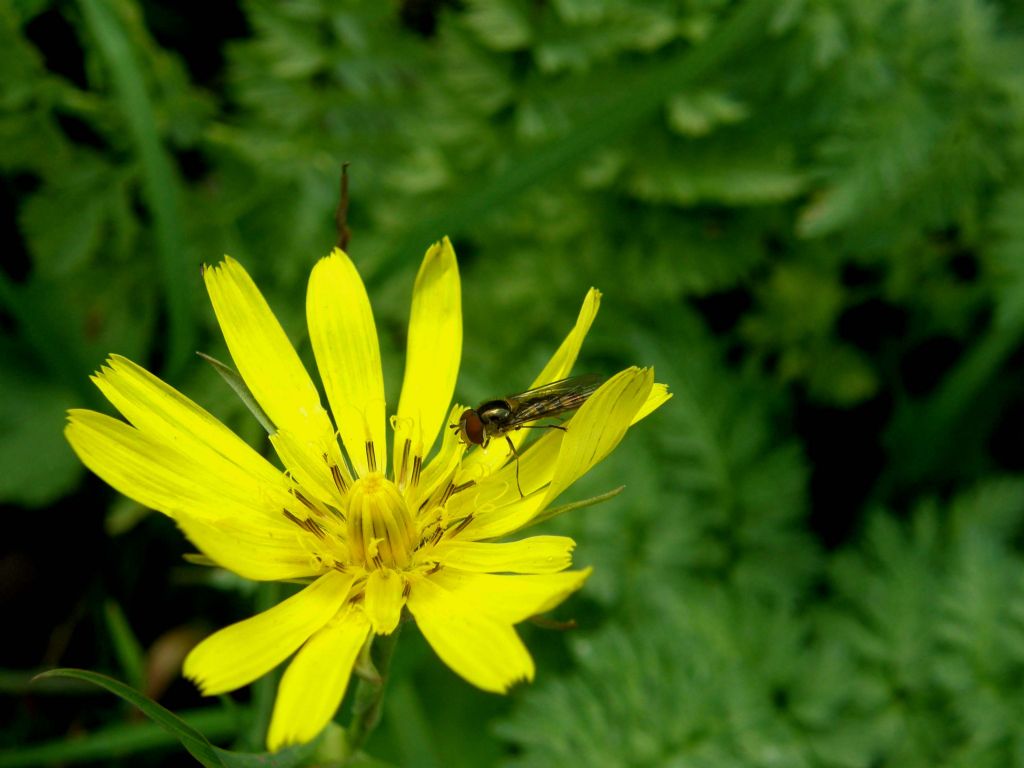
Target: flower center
381 533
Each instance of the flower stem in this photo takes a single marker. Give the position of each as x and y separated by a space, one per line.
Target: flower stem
369 695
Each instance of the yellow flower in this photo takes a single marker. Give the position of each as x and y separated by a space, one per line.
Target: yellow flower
372 542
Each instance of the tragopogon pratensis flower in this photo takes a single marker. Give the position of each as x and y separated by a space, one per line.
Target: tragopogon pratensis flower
371 541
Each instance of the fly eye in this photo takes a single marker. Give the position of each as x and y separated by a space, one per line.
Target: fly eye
471 428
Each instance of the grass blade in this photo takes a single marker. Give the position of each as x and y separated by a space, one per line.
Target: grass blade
190 738
160 183
118 741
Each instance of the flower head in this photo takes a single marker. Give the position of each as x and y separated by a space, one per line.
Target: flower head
370 539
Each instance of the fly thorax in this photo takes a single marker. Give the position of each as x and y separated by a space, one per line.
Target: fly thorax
381 533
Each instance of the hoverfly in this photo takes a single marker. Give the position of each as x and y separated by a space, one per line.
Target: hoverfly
496 418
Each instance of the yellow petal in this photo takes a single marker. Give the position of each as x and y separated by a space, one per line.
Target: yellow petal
314 684
480 462
599 426
561 363
511 598
238 523
493 521
260 551
383 600
432 357
311 465
264 356
481 649
538 554
242 652
444 463
146 469
658 397
344 338
489 492
160 410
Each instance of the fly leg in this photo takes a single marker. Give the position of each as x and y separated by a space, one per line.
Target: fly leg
512 447
515 453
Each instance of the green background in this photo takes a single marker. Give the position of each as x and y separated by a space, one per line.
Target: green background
808 215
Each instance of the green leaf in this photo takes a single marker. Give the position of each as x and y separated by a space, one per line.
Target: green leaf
697 113
292 757
503 26
688 680
1005 252
929 611
637 96
39 466
714 487
240 388
126 645
117 741
745 165
63 222
194 742
189 737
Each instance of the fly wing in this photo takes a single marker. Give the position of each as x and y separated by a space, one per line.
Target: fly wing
553 399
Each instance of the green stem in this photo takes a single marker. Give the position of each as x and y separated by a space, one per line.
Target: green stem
369 696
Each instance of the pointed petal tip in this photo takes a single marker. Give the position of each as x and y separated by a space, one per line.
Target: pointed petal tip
440 250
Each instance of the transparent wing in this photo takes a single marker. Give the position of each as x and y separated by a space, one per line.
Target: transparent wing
553 399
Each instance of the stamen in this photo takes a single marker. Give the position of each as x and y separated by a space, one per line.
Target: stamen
462 525
434 500
307 525
315 528
447 494
417 465
371 456
462 487
406 590
339 479
405 462
308 504
433 536
439 500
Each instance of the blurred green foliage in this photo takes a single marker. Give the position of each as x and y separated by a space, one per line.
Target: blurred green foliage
806 214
